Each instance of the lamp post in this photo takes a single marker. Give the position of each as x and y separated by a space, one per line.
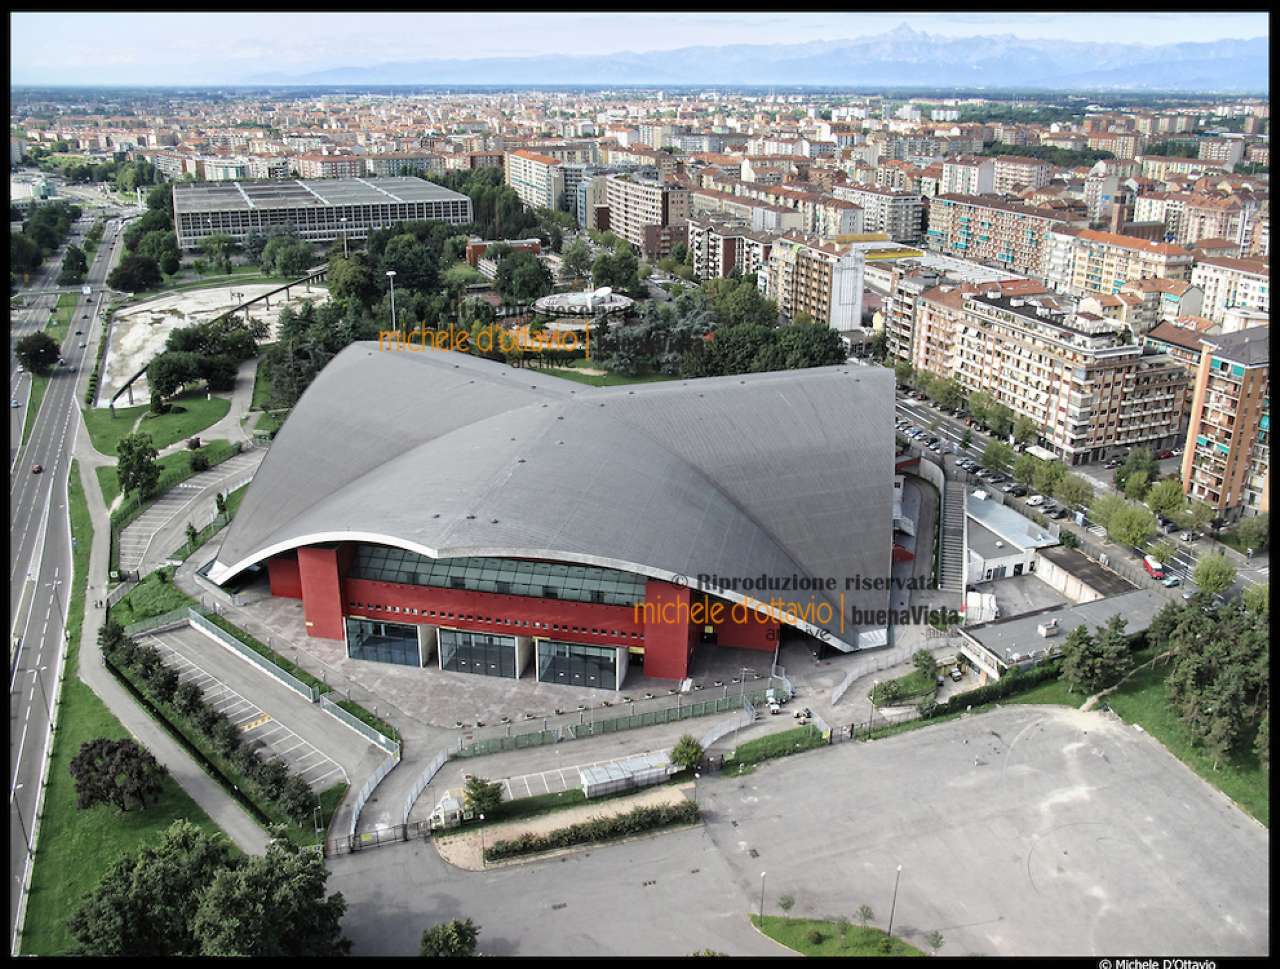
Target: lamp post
762 874
47 705
482 862
894 905
391 276
26 839
343 220
696 778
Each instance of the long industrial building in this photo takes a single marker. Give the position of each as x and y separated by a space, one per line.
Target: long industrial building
317 211
484 519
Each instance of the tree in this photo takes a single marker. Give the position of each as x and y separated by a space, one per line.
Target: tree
935 940
997 455
815 345
450 940
38 352
1136 486
136 467
1163 551
865 914
786 902
272 906
687 753
522 278
218 248
925 664
1025 429
413 262
1254 531
143 905
220 503
1257 598
1091 662
1131 525
1024 469
74 266
135 274
1139 459
575 260
1073 491
902 372
1214 574
482 796
1195 515
966 438
115 772
192 535
1163 497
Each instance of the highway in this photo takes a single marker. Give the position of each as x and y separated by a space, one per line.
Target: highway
40 566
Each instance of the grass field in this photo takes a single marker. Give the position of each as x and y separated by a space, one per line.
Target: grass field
174 468
241 275
1143 700
777 745
261 385
39 385
1051 691
192 412
913 686
76 847
832 939
600 380
59 323
148 598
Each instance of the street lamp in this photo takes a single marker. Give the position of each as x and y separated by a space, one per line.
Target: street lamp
343 220
762 874
37 670
482 841
391 276
26 839
894 905
696 777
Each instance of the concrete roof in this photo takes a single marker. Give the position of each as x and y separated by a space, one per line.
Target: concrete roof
295 193
1018 635
446 454
1007 524
1076 563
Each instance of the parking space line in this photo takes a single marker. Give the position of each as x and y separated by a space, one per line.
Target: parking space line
335 769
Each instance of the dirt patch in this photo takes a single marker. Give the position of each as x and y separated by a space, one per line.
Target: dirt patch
462 849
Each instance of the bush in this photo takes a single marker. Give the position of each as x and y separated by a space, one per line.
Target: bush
193 444
199 462
226 737
814 937
778 745
595 830
188 698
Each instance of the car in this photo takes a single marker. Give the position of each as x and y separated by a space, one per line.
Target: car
37 468
934 446
956 674
85 317
21 369
980 495
1019 491
14 402
79 332
1006 488
1058 513
1165 454
1112 464
1171 582
1188 536
84 346
1035 501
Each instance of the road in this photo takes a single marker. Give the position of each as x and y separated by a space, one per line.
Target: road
40 567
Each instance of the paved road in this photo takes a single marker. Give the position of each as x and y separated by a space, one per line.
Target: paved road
40 575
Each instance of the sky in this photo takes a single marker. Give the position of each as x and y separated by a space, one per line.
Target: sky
221 48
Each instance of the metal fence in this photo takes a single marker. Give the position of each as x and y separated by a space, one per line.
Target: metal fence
744 718
421 783
839 689
395 834
170 620
221 635
120 591
359 726
370 785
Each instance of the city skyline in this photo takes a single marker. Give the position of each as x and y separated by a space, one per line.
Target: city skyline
206 48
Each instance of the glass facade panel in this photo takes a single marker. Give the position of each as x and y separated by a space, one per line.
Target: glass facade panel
549 580
463 652
383 642
573 664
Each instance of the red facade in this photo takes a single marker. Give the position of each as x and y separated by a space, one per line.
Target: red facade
663 626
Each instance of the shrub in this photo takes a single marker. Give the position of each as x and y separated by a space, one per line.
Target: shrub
226 737
296 798
199 462
814 937
165 684
193 444
272 775
595 830
188 698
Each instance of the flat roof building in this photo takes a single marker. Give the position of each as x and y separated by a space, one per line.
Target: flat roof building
317 211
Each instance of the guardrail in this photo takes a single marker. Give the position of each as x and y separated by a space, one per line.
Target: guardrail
421 783
370 785
170 620
226 639
359 726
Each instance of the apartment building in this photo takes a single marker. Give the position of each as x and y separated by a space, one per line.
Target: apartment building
260 167
759 215
663 161
1162 299
1012 173
403 163
1206 216
1070 372
1122 144
329 166
1227 459
1160 167
968 175
538 179
650 214
984 229
720 248
1102 262
1232 283
1225 151
900 215
824 280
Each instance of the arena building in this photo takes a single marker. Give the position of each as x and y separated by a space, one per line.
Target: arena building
432 508
317 211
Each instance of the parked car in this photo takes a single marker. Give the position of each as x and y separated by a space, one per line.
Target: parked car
1154 567
79 332
1112 464
1006 488
1019 491
1059 513
1188 536
1171 582
956 673
1035 501
1162 455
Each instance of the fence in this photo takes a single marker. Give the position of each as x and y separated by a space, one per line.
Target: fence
120 591
359 726
170 620
222 636
421 783
369 786
395 834
744 718
839 689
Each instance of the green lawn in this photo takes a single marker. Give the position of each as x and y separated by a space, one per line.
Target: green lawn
833 939
461 274
174 468
915 685
39 385
241 275
60 322
261 385
1051 691
778 745
191 413
149 598
1143 700
76 847
599 380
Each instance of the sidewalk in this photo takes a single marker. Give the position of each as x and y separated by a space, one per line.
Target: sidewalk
238 825
229 428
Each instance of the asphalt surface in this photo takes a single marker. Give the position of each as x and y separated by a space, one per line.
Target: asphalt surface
40 562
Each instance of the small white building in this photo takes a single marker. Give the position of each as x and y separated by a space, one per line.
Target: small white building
1000 541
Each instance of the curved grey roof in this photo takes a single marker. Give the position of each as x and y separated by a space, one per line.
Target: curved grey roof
780 474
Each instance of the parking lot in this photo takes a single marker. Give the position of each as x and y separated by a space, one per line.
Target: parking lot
255 724
555 781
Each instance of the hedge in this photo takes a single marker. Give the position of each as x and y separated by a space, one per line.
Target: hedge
778 745
596 830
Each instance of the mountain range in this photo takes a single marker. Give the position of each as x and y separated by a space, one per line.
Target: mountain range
899 58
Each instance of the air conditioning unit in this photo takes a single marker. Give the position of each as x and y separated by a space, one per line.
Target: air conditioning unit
1048 628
